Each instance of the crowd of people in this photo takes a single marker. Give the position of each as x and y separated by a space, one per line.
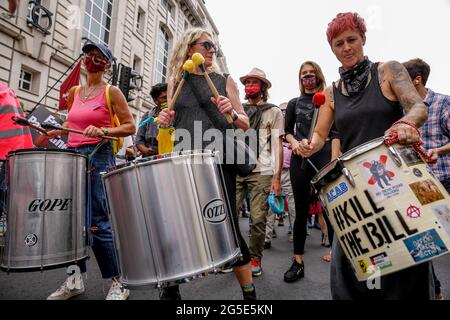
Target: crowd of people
365 102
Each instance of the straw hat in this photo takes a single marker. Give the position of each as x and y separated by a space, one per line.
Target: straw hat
258 74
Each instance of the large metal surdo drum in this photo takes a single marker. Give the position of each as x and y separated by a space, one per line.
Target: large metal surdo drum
171 218
388 211
46 210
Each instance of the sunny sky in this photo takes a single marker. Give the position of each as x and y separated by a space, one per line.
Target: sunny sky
278 35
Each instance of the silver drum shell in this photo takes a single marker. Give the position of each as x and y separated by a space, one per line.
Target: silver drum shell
46 210
161 226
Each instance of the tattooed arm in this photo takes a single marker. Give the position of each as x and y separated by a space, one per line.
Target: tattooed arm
397 86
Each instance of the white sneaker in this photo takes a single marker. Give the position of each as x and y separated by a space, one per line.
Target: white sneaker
117 291
65 292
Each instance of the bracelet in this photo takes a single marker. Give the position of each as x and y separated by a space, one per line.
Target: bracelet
105 131
407 123
234 115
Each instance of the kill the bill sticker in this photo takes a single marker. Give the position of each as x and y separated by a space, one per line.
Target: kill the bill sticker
382 177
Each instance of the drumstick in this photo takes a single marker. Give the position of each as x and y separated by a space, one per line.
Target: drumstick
24 122
51 126
317 100
199 61
188 68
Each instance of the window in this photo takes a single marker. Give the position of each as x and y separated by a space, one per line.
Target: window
97 21
26 80
162 54
140 22
166 5
137 63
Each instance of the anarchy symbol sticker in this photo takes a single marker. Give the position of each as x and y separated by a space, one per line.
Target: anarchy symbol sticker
31 240
413 212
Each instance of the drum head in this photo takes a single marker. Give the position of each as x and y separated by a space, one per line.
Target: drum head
40 150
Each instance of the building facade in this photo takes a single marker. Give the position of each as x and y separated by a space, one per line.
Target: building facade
45 38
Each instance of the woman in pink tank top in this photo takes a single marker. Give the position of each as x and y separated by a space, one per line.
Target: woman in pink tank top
89 112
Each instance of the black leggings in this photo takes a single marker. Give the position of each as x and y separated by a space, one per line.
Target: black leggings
230 184
301 187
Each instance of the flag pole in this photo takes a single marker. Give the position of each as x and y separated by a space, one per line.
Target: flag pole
57 81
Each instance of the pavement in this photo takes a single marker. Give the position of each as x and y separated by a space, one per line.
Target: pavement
269 286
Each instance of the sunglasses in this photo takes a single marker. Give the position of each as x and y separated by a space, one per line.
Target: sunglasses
207 45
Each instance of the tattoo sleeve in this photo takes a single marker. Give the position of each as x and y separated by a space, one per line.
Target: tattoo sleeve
401 85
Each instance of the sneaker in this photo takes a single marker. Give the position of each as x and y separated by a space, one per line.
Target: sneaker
256 267
267 245
245 214
64 292
295 272
117 291
226 270
291 238
274 234
170 293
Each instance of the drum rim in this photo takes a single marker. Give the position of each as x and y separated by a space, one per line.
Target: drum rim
42 150
363 148
157 159
349 155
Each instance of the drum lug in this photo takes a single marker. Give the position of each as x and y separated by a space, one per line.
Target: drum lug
349 177
394 156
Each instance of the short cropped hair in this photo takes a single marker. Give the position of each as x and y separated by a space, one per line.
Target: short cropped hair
418 67
343 22
157 89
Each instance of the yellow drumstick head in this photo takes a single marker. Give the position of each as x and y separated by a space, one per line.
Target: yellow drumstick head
198 59
189 66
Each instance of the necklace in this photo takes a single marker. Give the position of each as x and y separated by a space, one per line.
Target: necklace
88 95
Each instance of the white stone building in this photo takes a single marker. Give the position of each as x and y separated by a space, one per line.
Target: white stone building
45 37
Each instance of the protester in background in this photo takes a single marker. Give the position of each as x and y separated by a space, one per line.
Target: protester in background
435 132
146 138
299 115
267 121
12 137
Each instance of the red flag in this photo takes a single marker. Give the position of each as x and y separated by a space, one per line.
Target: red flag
72 80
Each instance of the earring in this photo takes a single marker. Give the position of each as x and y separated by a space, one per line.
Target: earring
417 82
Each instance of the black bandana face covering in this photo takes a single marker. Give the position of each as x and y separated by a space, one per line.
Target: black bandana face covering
355 79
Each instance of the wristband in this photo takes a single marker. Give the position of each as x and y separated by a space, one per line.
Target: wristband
105 131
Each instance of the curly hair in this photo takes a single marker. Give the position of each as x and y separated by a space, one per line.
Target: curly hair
181 53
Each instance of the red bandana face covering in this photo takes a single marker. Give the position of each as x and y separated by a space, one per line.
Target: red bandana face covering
252 90
94 66
310 82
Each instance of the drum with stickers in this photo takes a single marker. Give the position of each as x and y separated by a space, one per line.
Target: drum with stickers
171 218
388 210
46 210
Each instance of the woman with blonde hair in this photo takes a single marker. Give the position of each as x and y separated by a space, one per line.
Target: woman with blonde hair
195 104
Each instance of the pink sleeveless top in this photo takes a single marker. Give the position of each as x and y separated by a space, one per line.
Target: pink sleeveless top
93 111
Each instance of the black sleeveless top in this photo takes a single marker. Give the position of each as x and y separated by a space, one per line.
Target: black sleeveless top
188 108
364 116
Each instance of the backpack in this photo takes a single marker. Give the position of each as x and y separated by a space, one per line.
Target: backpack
117 145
